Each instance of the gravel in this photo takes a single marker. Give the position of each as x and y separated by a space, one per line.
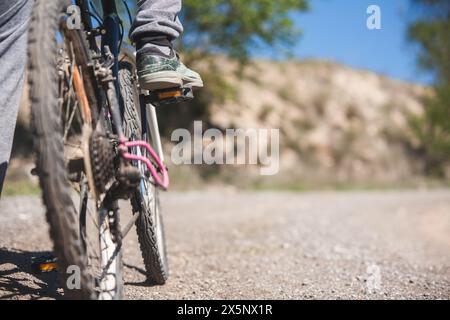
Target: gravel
244 245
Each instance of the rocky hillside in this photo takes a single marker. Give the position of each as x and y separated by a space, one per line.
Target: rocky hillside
336 123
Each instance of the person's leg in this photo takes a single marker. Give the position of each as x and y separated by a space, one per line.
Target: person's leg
156 26
14 15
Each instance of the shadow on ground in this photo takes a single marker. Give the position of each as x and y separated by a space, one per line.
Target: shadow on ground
146 283
19 281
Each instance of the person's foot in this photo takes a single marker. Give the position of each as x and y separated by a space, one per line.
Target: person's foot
158 72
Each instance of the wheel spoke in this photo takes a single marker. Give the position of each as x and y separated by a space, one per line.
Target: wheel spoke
70 120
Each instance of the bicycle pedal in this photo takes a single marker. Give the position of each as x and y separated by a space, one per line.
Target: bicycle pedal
170 96
44 264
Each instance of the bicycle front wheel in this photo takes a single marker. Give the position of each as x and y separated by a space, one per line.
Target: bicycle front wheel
150 226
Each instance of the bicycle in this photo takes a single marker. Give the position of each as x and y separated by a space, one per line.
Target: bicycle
97 141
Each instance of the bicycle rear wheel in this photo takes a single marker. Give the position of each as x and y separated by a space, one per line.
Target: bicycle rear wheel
82 232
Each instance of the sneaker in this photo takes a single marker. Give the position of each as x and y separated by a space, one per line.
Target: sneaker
157 72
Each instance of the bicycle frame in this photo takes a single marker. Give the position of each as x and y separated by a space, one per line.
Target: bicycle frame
111 39
110 27
111 24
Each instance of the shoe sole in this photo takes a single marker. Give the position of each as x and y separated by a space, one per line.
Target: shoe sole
161 80
166 80
188 82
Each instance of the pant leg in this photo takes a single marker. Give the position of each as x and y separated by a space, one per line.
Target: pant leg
156 22
14 16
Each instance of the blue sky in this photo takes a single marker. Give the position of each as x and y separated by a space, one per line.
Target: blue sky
336 30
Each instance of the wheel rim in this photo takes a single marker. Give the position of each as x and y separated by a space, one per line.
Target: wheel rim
95 231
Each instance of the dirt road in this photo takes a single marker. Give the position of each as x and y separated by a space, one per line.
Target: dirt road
226 245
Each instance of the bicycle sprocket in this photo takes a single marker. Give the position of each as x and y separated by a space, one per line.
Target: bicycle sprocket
102 157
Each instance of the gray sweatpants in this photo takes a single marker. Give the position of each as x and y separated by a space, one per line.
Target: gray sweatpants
155 20
158 17
14 15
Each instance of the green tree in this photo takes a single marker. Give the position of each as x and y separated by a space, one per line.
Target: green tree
432 33
235 26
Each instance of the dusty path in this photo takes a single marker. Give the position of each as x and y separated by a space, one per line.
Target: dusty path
267 245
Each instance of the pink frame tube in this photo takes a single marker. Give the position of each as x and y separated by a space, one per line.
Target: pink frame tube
163 181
